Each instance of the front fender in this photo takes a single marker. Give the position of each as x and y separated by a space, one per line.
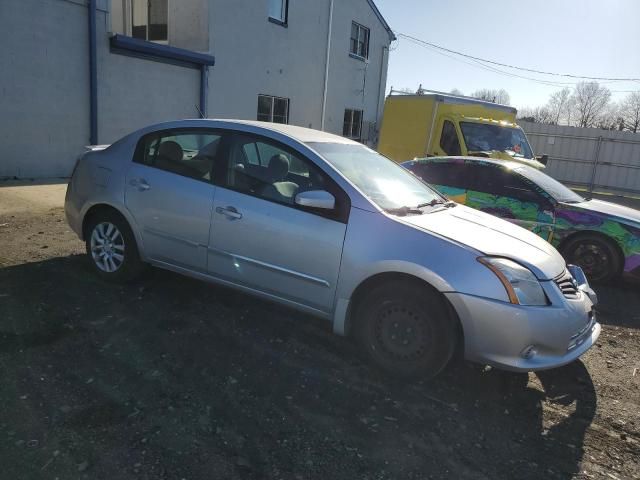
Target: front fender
377 244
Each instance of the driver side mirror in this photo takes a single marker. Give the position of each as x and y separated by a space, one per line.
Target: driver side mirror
543 159
316 199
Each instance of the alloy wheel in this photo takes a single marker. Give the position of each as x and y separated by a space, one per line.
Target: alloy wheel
107 247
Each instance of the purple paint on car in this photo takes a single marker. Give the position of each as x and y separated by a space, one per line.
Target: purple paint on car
579 218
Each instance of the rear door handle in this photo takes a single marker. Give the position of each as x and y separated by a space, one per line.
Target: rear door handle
230 212
140 183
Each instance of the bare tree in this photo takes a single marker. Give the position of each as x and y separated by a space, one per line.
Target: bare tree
492 95
591 101
610 118
537 115
630 112
559 105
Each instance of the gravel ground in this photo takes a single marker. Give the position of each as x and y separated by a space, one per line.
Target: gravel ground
172 378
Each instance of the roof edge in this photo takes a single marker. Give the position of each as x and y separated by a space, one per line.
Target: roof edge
373 6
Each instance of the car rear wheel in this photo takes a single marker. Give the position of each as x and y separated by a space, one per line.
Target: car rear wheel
596 255
112 248
405 329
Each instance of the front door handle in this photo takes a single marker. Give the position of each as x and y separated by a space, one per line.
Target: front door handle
140 183
230 212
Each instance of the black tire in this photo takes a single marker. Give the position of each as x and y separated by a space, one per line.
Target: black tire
130 266
596 255
405 329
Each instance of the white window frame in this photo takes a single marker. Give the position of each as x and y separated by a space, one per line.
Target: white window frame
360 30
351 123
273 99
283 18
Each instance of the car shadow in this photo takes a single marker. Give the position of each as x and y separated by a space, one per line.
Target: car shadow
619 303
185 379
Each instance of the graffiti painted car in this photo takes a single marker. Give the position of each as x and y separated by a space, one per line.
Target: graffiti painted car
601 237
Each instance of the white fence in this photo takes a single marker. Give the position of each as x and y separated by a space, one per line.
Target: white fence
589 157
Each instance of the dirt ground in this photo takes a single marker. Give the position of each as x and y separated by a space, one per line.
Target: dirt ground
170 378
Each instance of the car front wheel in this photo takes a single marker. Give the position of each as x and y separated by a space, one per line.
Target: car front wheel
405 329
596 255
112 248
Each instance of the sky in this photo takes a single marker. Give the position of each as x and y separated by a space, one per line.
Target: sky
580 37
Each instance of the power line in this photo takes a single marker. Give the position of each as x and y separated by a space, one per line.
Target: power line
478 64
531 70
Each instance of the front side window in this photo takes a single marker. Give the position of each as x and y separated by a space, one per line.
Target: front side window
449 140
352 127
273 109
149 20
265 169
278 10
383 181
484 137
553 187
502 182
359 40
189 153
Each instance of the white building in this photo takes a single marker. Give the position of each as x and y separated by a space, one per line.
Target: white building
69 78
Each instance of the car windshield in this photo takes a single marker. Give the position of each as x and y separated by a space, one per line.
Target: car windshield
549 185
383 181
483 137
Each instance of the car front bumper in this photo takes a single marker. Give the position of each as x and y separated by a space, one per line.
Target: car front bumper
526 338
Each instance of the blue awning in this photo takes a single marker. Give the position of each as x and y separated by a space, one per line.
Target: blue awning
135 47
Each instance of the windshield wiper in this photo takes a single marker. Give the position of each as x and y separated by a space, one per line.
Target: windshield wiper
403 211
437 201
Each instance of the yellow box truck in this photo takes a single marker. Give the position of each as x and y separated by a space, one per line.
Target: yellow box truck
440 124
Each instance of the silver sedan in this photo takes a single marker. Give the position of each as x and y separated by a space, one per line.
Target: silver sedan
329 227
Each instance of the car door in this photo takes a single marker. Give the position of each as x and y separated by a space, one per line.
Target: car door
169 192
261 239
502 192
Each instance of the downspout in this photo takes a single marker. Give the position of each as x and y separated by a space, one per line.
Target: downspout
93 76
326 71
204 90
382 64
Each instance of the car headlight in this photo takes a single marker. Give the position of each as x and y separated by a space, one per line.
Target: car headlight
522 287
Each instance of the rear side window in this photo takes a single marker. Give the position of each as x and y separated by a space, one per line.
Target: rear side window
444 173
189 153
449 140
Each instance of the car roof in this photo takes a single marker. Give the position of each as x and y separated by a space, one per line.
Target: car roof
452 159
301 134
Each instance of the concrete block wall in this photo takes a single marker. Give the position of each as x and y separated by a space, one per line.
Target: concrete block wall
44 73
44 92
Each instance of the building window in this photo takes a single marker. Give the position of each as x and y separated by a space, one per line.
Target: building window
359 40
279 11
273 109
149 20
352 127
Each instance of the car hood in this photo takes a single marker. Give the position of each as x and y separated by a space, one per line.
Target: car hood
626 214
492 236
